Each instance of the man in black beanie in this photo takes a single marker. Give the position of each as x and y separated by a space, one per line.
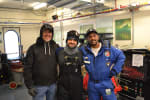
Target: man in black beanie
40 71
70 62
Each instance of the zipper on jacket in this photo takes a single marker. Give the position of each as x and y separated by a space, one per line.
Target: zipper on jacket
94 68
94 61
45 47
49 49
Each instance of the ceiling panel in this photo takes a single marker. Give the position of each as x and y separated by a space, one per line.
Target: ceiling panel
78 5
18 4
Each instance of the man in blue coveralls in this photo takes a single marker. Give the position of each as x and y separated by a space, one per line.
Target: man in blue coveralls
102 62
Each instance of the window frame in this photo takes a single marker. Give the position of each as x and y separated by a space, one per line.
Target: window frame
17 31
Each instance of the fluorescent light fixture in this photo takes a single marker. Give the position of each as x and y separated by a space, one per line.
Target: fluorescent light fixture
60 12
35 3
100 1
38 6
135 4
51 6
86 0
89 4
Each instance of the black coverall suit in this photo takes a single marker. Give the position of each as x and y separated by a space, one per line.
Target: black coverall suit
70 78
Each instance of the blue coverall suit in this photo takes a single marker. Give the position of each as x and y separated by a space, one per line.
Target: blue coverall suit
98 67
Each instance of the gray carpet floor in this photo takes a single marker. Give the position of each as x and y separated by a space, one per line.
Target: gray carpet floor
19 93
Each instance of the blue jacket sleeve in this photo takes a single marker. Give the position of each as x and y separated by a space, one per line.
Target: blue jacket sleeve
58 49
119 61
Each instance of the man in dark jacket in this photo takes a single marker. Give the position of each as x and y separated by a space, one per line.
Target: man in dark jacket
70 61
40 70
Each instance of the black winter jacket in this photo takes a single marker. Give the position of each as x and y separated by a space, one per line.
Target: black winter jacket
40 64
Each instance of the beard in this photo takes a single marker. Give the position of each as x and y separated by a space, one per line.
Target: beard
93 42
71 47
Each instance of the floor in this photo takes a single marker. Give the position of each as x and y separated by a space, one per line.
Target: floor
21 93
14 94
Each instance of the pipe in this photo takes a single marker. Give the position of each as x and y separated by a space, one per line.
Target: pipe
111 10
115 3
18 23
20 19
132 21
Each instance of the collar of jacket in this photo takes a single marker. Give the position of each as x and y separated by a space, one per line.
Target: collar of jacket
88 49
71 51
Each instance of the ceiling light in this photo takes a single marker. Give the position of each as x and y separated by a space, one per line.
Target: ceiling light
89 3
39 6
35 3
60 12
100 1
86 0
135 4
51 6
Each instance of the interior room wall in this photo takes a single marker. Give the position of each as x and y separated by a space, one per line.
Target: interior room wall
139 20
28 35
142 28
15 15
28 31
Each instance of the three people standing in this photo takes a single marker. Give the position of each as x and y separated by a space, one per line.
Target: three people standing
101 62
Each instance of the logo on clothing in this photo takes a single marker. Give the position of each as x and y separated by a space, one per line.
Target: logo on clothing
86 60
107 53
108 91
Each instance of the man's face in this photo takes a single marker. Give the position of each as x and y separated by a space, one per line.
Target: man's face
47 36
93 39
72 43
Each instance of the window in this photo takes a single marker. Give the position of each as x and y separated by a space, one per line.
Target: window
11 39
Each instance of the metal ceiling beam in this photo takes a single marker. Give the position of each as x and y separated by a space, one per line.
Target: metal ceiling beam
79 6
96 7
66 3
51 2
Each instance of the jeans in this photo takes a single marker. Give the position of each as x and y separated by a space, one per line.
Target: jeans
48 91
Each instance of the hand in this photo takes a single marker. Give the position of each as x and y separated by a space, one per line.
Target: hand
112 73
32 92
